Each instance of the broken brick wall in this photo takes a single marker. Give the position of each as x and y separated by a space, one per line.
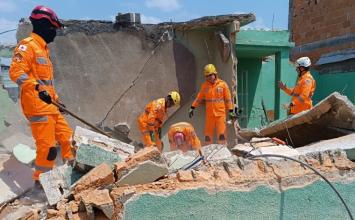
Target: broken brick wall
321 26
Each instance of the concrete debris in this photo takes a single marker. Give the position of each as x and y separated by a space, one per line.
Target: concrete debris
177 159
99 199
333 116
86 136
55 185
122 128
22 213
145 172
264 147
98 177
346 143
15 178
215 152
24 153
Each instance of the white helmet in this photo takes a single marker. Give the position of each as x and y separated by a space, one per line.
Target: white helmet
303 61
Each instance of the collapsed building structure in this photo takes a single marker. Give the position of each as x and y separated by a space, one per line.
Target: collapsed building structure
108 71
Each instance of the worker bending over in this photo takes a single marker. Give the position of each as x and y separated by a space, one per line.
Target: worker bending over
151 120
182 136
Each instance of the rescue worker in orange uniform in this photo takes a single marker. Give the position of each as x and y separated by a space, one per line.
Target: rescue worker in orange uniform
32 70
182 136
151 120
303 91
215 94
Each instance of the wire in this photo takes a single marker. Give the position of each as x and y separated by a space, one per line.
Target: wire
8 31
289 135
161 39
314 170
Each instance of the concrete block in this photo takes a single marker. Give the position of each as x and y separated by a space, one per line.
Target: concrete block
24 153
85 136
177 159
145 172
99 199
55 185
216 152
100 176
15 178
93 155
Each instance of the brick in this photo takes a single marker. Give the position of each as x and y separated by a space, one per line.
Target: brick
99 199
100 176
184 176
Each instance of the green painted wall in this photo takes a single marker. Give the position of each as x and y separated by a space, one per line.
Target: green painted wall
316 201
343 83
256 81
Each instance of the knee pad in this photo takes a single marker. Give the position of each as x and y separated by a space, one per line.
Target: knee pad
52 154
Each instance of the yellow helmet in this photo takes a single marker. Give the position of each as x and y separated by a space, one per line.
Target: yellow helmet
210 69
175 96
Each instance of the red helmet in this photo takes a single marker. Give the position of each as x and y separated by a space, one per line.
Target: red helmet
44 12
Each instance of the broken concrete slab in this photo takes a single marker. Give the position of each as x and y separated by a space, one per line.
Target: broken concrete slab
216 152
346 143
99 176
54 184
88 137
177 159
22 213
331 118
99 199
24 153
247 149
92 155
145 172
15 178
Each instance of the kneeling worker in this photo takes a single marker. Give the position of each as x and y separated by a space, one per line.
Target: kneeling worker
182 136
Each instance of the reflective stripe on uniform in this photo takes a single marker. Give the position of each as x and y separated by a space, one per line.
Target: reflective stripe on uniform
43 169
22 79
214 100
38 118
45 82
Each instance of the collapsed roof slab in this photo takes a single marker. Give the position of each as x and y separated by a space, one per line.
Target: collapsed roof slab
331 118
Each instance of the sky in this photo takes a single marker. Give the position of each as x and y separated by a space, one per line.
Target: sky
152 11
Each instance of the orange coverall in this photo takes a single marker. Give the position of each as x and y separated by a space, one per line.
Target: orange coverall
217 98
31 65
302 93
191 139
151 120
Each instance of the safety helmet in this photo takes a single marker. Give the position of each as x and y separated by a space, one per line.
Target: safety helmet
41 11
210 69
179 138
303 61
175 96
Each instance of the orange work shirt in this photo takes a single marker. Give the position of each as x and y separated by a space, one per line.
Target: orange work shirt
31 65
191 139
217 98
302 93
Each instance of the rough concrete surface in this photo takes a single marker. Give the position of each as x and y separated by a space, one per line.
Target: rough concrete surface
99 199
145 172
15 178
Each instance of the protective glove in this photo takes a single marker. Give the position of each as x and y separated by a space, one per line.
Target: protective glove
191 111
43 95
232 115
62 105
